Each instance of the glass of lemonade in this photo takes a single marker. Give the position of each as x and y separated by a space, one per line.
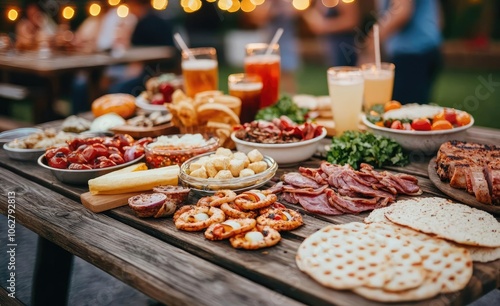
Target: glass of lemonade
345 85
247 87
199 70
267 66
378 84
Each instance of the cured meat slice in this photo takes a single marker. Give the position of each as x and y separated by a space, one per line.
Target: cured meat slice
308 191
317 204
298 180
348 203
315 174
364 190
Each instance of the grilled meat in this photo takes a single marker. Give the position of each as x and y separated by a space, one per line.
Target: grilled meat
471 166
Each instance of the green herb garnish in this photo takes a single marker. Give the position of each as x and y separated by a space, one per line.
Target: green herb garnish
354 148
285 106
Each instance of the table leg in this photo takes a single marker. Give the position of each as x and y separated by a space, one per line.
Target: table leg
52 274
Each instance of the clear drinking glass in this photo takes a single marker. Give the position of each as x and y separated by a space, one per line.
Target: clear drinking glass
345 85
267 66
247 87
200 70
378 83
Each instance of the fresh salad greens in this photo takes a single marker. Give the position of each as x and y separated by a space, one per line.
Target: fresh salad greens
354 148
284 106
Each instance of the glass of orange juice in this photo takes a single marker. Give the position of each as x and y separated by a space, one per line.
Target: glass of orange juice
260 61
379 83
247 87
200 70
345 85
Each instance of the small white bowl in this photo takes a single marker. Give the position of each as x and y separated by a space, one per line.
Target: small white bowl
282 153
81 177
22 154
427 142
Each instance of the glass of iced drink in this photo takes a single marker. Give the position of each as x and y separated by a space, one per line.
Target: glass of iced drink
267 65
345 85
199 70
247 87
379 83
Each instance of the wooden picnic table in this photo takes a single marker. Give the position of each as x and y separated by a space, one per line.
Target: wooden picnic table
183 268
51 68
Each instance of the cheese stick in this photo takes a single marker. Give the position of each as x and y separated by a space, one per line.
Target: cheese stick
117 183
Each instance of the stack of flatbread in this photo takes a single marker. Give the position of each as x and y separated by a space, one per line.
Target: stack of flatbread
399 254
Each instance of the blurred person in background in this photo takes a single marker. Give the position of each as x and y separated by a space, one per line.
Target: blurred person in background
337 26
270 16
34 28
104 32
410 34
150 30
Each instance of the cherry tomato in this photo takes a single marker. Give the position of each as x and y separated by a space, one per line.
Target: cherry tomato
463 118
441 125
450 115
391 105
75 166
76 157
421 124
89 153
116 158
100 149
58 161
75 143
396 125
132 153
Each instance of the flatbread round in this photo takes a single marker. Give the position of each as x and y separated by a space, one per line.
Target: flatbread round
457 222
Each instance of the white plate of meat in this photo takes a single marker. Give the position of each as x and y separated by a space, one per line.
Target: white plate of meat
468 172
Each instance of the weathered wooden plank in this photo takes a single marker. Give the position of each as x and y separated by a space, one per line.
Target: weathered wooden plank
5 299
275 268
160 270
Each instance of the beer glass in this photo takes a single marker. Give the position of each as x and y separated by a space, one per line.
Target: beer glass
378 84
247 87
345 85
199 70
267 66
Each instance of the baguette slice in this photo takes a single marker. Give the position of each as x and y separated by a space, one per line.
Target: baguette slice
116 183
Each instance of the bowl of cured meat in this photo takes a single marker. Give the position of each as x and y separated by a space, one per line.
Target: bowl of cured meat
420 128
283 140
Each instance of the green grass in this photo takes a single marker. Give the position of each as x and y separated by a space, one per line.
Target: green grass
453 88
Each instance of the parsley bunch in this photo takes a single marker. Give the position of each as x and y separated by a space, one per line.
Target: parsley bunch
285 106
354 148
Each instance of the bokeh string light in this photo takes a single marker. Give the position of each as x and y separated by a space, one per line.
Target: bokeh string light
189 6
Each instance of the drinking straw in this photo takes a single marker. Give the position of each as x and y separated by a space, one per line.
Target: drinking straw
376 37
274 41
183 46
